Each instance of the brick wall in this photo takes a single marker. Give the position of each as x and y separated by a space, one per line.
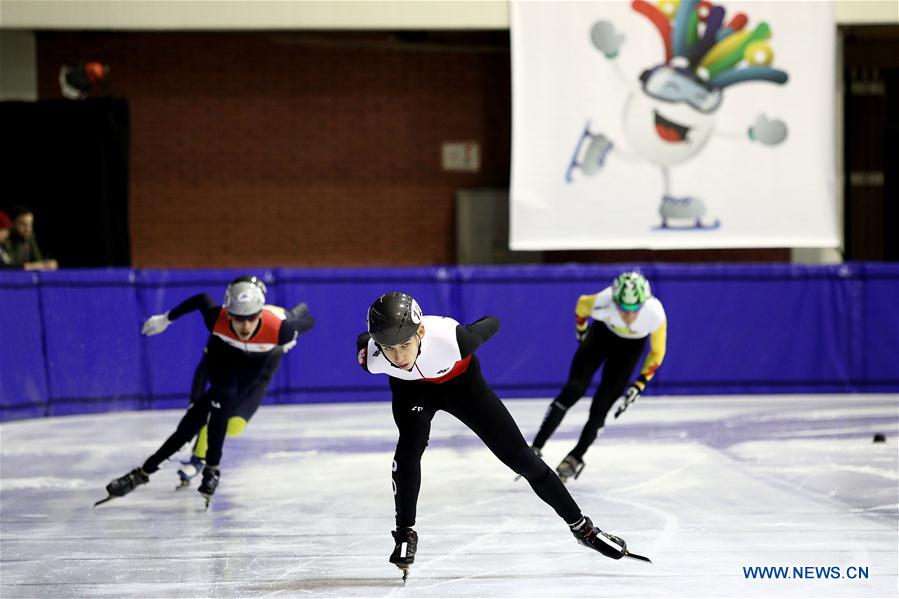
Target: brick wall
297 149
310 149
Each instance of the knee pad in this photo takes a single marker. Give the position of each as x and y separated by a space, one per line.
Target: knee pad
236 424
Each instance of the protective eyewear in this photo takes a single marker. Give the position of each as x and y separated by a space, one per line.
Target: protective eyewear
245 317
671 85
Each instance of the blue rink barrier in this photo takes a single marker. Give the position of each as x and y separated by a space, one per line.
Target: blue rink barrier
70 340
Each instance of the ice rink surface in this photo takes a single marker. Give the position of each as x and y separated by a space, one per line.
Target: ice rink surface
707 487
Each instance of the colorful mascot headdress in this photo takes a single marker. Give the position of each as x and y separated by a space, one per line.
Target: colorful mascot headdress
720 55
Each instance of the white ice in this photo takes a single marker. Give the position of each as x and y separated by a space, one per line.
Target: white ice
704 486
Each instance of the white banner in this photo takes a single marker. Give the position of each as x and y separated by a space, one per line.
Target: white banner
672 125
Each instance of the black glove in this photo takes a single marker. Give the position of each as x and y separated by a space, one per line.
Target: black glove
581 326
630 395
300 318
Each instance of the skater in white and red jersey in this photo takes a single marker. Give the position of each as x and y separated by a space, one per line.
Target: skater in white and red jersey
432 366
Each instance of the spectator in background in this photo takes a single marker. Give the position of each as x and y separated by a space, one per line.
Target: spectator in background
22 245
5 226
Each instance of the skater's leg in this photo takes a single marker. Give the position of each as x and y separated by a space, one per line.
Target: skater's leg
412 413
478 407
190 468
584 365
200 380
202 444
197 389
221 403
616 374
191 423
245 408
235 426
197 461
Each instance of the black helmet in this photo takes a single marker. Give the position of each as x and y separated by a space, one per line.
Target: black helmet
393 318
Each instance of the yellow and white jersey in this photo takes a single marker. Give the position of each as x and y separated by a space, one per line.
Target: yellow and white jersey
649 319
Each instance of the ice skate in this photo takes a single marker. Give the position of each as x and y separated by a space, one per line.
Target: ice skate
403 554
537 452
570 467
593 158
684 213
609 545
188 471
210 483
125 484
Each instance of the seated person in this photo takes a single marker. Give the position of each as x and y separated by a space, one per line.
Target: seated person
5 226
22 245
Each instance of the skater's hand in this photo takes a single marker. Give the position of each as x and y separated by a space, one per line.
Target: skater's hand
156 324
580 327
632 393
768 132
606 39
630 396
290 344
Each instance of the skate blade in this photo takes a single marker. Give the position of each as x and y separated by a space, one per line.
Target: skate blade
574 164
104 500
641 558
207 499
405 570
699 226
184 484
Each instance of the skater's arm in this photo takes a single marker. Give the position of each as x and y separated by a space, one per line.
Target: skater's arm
201 302
160 322
472 336
362 350
657 342
582 311
296 322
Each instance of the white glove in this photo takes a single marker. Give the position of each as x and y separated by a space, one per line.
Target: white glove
290 344
768 132
156 324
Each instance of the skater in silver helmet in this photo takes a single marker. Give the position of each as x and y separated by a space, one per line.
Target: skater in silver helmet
432 366
624 316
248 339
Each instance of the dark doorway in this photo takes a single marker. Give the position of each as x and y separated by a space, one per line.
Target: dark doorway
68 162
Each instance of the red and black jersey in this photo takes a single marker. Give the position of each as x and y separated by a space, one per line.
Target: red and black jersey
252 361
265 339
